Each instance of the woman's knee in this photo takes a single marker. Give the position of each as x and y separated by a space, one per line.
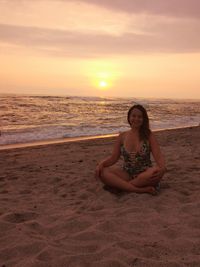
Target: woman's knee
151 172
153 178
112 172
146 178
104 173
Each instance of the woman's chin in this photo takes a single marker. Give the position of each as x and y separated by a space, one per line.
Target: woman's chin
135 126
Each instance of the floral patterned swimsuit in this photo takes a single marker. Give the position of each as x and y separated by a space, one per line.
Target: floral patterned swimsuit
136 162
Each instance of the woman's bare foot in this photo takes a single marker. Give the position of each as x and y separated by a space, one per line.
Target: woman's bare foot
151 190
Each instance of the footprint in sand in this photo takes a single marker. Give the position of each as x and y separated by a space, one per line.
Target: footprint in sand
24 192
20 217
35 226
4 192
13 178
170 233
2 179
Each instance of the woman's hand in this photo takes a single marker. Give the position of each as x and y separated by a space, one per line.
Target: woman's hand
159 172
151 190
99 170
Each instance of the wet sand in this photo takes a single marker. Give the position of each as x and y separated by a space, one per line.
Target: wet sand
55 213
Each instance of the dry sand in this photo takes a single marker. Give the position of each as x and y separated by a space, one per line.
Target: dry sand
55 213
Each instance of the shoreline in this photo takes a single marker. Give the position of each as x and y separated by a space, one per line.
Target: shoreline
73 139
53 141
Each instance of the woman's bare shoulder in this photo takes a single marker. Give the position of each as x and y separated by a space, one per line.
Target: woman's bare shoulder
151 136
122 136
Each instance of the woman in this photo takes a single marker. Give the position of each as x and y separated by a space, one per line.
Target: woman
137 175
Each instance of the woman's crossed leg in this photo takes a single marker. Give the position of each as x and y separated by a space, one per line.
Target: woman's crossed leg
118 178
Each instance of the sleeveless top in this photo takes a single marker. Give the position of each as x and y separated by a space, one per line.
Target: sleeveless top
136 162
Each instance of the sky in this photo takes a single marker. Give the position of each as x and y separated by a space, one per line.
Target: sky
116 48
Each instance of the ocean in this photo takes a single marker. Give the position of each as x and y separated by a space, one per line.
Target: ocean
40 118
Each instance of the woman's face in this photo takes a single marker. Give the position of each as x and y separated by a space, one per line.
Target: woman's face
136 118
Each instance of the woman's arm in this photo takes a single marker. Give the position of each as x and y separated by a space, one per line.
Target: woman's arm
111 159
115 153
157 154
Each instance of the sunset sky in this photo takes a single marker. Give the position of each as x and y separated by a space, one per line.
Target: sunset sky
122 48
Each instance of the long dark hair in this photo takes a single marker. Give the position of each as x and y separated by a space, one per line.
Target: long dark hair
144 131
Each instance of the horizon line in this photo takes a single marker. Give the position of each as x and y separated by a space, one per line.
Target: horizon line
96 96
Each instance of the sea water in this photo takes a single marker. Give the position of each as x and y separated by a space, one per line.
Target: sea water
40 118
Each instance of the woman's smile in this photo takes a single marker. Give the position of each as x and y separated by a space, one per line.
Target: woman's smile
136 118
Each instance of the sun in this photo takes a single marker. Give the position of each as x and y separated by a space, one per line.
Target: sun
103 84
101 75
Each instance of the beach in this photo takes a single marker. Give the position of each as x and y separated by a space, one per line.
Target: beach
54 212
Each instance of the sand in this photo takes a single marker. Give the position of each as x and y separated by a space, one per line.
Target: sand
54 212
